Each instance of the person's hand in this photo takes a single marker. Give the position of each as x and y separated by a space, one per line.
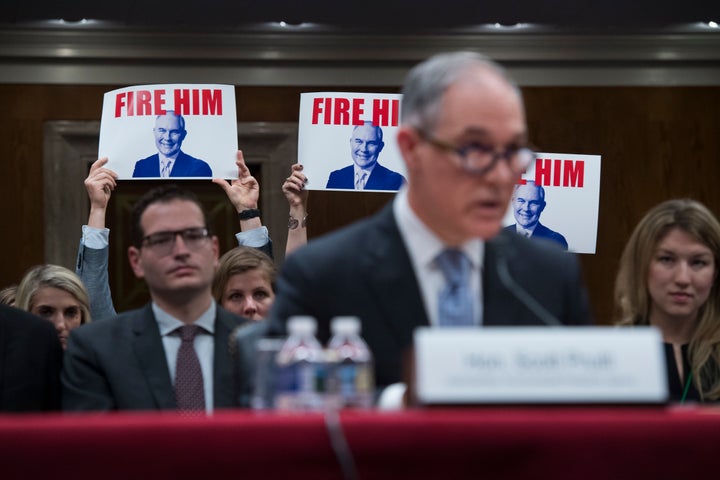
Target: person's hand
244 191
294 187
99 184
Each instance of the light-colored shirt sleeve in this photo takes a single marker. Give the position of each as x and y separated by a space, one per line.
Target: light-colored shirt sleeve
96 238
257 237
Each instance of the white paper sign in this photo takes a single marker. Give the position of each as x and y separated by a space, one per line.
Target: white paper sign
571 184
329 142
199 133
525 365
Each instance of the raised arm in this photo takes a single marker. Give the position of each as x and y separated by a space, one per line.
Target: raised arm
296 195
244 193
99 184
92 259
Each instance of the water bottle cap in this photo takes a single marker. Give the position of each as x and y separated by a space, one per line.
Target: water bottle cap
301 324
345 325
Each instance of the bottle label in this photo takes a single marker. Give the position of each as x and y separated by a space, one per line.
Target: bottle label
355 385
300 386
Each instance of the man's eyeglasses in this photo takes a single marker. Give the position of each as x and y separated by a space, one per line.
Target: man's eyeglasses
479 159
162 243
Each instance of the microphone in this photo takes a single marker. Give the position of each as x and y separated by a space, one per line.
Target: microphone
515 288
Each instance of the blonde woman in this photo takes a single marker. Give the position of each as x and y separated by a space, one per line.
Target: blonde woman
668 278
7 295
57 294
244 282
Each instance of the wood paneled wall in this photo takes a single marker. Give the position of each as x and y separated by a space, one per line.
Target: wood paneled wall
656 143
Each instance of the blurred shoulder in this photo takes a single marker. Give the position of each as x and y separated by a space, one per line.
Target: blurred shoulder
20 322
353 238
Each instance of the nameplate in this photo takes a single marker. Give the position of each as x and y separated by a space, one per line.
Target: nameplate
526 365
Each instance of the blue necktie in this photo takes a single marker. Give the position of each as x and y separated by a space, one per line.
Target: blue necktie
455 304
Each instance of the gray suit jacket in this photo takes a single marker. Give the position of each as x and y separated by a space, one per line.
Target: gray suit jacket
119 364
365 270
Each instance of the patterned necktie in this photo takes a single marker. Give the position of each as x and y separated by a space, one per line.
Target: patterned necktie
455 303
165 171
360 182
189 391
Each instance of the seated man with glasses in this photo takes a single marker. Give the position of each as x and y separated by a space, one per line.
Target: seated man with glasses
463 138
173 353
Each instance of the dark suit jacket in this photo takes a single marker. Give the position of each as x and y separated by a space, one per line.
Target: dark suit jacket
119 364
541 231
365 270
185 166
381 178
30 362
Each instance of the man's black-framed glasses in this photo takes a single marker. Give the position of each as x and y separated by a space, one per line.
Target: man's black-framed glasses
478 158
162 243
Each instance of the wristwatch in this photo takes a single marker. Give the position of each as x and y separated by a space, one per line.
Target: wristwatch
249 213
294 223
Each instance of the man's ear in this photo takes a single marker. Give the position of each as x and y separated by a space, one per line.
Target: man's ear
408 142
136 261
542 207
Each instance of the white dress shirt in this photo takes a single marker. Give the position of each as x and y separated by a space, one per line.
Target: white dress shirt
204 345
359 172
164 160
423 247
525 232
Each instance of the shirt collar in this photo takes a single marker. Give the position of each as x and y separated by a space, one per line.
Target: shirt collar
164 158
525 231
168 324
359 171
422 244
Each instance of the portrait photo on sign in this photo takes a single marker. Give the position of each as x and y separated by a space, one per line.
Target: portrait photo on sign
346 141
174 131
558 200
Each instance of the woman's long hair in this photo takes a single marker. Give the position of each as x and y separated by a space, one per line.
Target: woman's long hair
632 300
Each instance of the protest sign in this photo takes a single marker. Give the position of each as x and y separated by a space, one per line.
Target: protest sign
173 130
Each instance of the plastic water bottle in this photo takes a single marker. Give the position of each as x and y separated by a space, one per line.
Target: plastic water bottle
352 379
301 369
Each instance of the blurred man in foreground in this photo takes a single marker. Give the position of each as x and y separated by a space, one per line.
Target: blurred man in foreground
463 138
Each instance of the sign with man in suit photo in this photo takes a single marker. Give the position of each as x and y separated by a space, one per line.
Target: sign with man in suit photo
563 189
364 122
178 131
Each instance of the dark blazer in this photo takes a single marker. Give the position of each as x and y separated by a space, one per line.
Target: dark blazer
30 362
381 178
119 364
185 166
364 270
541 231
